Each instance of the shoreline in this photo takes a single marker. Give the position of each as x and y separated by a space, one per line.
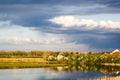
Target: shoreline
109 78
110 64
14 65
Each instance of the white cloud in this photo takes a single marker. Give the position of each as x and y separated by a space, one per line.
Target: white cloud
87 24
17 34
54 41
17 37
5 23
18 40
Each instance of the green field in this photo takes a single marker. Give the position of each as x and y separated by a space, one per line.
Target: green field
7 65
22 59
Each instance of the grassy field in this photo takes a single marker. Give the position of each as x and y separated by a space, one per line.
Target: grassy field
48 58
22 60
109 78
25 63
110 64
7 65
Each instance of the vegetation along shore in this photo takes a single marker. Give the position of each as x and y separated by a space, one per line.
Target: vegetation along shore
23 59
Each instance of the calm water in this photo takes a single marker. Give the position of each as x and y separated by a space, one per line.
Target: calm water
51 74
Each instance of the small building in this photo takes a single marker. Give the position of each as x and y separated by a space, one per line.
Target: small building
117 51
60 57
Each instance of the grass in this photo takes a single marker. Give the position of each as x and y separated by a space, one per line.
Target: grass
110 64
22 60
109 78
7 65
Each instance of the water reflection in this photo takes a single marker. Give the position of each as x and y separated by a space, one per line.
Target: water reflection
103 69
61 73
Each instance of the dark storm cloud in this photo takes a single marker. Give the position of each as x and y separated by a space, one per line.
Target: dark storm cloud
27 15
69 2
35 13
97 41
111 3
109 42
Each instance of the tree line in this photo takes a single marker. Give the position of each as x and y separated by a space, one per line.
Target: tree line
21 54
70 58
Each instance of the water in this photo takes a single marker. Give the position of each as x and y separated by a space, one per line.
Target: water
58 73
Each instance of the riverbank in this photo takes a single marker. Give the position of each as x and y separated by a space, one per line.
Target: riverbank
17 59
109 78
110 64
11 65
7 63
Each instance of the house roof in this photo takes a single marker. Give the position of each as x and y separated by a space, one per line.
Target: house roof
116 51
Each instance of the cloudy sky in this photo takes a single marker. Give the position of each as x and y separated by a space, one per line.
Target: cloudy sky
60 25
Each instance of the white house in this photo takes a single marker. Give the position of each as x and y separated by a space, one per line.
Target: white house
116 51
60 57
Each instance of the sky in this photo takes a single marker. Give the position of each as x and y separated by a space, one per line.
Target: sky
60 25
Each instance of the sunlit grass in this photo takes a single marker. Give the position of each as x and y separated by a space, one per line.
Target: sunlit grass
108 78
22 60
5 65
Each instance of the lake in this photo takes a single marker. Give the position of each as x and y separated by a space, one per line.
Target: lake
55 73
